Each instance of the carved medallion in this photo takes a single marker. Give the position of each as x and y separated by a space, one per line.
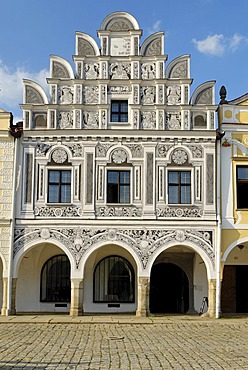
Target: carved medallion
59 156
119 156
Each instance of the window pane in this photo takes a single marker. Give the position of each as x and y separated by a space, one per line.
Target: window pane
55 280
185 177
124 177
114 117
124 194
54 176
114 280
66 177
53 193
173 196
124 107
65 193
185 194
113 177
124 118
173 177
242 173
115 106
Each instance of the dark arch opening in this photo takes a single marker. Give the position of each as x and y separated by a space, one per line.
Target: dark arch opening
169 289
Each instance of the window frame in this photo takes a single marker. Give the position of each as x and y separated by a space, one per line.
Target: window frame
105 282
59 169
240 182
119 112
44 280
122 169
191 185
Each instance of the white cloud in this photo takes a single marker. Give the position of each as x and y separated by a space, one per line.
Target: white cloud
213 45
218 45
155 27
11 86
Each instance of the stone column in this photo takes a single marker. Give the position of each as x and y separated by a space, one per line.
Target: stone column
12 309
5 296
143 296
76 297
211 297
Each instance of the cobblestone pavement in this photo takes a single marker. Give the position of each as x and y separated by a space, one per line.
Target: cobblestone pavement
161 343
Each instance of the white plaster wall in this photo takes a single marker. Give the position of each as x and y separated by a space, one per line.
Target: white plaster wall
28 283
91 263
200 282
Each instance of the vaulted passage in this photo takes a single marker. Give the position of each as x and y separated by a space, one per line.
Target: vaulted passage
169 289
235 289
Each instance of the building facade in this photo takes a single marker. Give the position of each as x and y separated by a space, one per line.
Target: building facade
116 185
233 120
7 155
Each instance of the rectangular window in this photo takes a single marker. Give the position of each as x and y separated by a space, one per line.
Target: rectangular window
119 111
59 186
242 187
179 187
118 187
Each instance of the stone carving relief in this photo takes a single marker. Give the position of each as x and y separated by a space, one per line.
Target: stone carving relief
135 119
179 156
196 150
78 118
91 119
102 149
118 212
186 94
162 150
176 212
119 156
77 149
136 46
148 120
62 211
33 96
173 121
120 89
143 241
212 120
59 71
174 94
135 70
148 94
91 71
65 120
85 48
136 150
120 71
119 24
91 94
65 94
160 95
135 94
154 48
42 149
148 71
180 70
186 120
59 156
205 97
161 120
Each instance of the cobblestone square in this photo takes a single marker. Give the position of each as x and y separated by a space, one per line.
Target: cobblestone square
103 343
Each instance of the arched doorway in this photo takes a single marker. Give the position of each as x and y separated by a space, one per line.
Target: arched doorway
169 289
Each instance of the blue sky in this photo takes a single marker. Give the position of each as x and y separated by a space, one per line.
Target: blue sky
213 32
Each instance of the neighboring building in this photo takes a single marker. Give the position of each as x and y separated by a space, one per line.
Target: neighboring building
233 120
116 195
7 149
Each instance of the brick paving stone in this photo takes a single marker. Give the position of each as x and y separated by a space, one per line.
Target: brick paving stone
111 345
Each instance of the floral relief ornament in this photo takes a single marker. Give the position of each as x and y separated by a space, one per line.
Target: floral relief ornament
119 156
179 156
59 156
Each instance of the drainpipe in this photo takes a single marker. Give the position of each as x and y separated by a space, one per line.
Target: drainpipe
219 135
15 131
